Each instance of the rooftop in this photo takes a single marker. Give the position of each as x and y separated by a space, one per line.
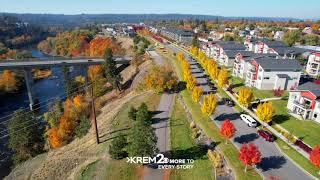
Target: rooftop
312 87
272 64
231 45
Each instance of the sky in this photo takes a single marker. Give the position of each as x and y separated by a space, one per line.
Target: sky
305 9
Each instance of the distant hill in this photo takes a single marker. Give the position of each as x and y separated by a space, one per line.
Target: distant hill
85 19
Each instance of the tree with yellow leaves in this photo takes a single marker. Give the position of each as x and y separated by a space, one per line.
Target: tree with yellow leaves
197 93
191 82
194 51
245 96
180 56
209 104
265 112
223 78
213 70
160 79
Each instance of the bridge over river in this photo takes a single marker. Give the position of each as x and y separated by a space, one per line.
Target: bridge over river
27 65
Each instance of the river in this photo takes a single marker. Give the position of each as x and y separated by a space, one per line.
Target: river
45 91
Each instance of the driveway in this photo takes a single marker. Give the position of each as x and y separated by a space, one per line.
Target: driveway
274 163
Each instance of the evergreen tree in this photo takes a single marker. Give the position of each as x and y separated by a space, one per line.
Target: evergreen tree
144 115
25 136
116 149
111 73
143 140
132 113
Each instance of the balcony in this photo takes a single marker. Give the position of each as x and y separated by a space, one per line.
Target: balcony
302 105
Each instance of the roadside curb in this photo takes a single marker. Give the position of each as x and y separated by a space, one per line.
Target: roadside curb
277 146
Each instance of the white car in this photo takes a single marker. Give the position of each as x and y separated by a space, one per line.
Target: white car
248 120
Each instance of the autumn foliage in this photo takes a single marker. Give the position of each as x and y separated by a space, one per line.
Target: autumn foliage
98 46
209 104
74 109
265 111
160 79
197 93
245 96
223 78
227 129
315 156
250 155
54 138
8 81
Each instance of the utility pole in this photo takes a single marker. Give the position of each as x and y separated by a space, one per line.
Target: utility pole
94 115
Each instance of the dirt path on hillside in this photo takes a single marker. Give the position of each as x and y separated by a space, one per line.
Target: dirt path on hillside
66 161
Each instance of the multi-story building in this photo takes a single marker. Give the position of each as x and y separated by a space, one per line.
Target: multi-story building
224 51
265 46
304 102
242 61
179 35
313 65
269 73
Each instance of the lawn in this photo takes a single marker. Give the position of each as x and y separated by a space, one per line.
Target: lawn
306 130
181 141
122 122
298 158
229 151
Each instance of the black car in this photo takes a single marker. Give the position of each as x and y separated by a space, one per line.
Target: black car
228 102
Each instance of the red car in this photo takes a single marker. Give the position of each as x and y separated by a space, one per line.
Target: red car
266 135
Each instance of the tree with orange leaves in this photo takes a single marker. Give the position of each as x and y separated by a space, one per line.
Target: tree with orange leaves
54 138
8 81
227 129
98 46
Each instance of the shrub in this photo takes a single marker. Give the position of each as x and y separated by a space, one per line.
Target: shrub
215 158
83 127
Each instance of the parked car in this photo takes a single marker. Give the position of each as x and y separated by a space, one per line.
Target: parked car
228 102
303 146
248 120
266 135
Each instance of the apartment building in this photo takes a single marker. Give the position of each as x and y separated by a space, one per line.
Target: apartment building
242 61
224 52
304 102
179 35
268 73
313 65
265 46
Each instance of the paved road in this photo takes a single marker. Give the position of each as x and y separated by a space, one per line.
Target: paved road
274 163
161 124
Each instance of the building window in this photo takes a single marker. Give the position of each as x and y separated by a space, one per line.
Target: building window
266 78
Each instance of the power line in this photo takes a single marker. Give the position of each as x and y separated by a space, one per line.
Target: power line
28 120
1 137
61 94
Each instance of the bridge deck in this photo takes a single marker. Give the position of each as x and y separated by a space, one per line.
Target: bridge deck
13 64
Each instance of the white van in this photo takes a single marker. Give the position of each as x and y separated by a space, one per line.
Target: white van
248 120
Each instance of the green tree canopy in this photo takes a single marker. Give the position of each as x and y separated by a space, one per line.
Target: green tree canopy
111 73
25 136
291 37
